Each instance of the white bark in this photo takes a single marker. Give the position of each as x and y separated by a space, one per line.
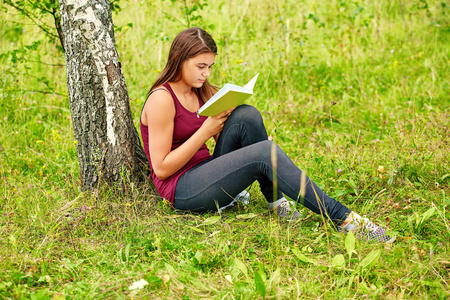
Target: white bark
103 127
102 52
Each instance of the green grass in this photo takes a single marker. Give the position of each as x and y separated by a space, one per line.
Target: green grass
356 93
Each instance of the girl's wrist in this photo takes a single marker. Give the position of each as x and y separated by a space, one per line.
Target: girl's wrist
203 134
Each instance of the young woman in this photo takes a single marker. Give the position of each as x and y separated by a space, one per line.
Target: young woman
187 175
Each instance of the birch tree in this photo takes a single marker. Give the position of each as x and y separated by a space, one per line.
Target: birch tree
108 142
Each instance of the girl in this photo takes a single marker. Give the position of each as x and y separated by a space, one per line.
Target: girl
187 175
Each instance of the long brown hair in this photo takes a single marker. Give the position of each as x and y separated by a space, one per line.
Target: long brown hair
187 44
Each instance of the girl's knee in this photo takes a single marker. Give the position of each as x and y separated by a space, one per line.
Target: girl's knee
267 147
249 114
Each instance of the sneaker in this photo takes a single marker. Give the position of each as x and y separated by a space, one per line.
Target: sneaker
286 210
242 197
368 231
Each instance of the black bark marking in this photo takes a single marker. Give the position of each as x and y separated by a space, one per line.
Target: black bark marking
111 72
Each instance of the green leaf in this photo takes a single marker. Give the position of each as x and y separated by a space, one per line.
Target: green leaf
198 255
200 258
364 288
240 266
338 261
318 238
211 220
127 252
169 267
33 46
429 213
12 239
154 280
303 257
275 278
5 285
259 285
196 229
229 278
371 258
350 243
426 215
445 176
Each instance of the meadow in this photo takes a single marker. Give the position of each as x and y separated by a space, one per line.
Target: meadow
357 93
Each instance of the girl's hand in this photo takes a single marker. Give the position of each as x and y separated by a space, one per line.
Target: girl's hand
214 125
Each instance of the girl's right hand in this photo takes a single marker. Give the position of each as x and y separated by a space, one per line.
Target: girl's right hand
214 125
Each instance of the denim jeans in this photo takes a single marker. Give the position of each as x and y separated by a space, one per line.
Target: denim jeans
242 155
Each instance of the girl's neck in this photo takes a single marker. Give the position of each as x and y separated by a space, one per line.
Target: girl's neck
181 88
185 95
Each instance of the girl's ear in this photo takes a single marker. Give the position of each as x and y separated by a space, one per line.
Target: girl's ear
176 56
177 76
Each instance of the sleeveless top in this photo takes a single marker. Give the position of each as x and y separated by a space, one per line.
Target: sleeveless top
186 123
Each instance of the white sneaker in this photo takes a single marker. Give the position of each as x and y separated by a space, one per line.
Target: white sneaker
368 231
285 209
243 197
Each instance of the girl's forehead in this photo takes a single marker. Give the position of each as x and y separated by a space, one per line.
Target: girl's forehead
205 58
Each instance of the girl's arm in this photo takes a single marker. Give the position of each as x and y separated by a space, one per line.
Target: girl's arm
159 114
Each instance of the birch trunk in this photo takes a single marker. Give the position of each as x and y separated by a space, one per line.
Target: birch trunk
107 139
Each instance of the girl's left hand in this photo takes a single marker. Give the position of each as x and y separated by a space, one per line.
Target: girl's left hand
214 125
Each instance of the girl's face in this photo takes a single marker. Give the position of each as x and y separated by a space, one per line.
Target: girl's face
196 69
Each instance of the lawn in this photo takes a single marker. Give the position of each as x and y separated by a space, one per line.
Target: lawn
357 93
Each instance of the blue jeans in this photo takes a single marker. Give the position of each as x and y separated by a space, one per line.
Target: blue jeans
242 155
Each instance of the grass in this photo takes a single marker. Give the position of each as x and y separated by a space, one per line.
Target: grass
356 93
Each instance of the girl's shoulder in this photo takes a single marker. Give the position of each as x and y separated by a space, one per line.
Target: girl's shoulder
159 101
159 95
157 90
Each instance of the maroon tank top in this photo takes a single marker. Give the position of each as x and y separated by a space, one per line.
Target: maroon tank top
186 123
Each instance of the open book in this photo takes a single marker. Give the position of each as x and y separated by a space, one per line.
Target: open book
227 97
